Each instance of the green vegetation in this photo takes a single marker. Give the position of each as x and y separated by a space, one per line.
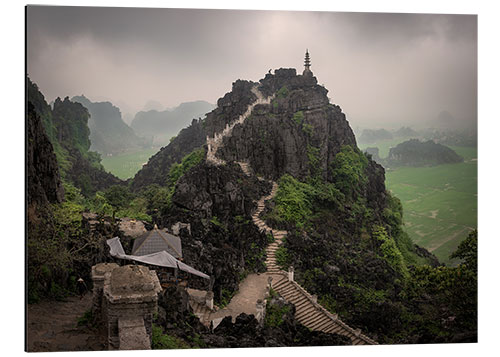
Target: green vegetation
308 129
348 171
314 161
125 166
443 292
67 128
274 314
87 319
440 202
254 257
226 296
187 163
293 201
282 258
161 341
282 92
298 118
156 199
389 250
118 197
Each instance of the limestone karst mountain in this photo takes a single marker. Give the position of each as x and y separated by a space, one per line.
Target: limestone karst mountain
331 201
159 125
421 153
109 134
66 126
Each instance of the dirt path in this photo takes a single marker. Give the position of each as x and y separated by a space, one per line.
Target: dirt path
52 326
250 290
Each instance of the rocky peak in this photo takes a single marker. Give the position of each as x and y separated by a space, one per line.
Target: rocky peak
298 133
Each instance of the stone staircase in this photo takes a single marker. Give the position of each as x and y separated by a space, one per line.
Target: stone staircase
308 312
314 316
214 143
277 234
245 167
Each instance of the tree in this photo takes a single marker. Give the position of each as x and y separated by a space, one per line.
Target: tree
118 197
467 251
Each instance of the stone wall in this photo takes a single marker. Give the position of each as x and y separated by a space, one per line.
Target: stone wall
126 299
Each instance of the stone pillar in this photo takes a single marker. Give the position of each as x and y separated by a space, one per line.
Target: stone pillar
98 273
269 285
260 308
209 300
131 295
290 273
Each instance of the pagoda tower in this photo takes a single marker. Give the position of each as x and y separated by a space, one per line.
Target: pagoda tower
307 65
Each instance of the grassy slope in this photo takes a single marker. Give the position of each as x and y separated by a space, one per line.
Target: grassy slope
439 203
126 165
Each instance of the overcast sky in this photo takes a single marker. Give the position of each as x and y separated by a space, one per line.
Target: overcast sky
379 68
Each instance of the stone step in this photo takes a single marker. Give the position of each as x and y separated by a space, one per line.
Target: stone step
283 282
325 323
305 311
280 283
301 302
314 324
307 321
288 291
334 328
297 299
357 341
292 293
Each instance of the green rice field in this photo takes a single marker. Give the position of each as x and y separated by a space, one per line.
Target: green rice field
126 165
439 203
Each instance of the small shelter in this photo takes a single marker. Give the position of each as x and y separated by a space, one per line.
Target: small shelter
155 241
160 259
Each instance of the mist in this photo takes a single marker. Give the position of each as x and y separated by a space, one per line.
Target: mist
381 69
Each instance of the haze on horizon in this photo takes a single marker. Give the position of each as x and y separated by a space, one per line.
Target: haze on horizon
380 68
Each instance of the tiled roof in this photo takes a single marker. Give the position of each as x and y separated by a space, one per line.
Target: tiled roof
155 241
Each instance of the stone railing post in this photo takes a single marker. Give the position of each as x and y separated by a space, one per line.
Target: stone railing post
290 273
209 300
269 285
260 308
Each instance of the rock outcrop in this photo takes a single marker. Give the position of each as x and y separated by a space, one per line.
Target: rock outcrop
157 168
44 183
417 153
108 132
296 128
66 126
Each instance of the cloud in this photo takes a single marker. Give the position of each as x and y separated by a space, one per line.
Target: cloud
377 67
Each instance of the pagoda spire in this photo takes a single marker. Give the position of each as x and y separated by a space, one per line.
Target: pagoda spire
307 63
